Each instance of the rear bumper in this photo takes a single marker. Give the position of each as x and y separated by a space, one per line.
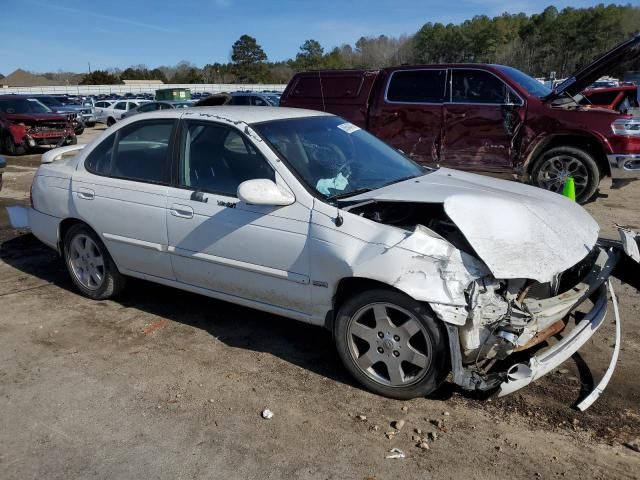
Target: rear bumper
624 166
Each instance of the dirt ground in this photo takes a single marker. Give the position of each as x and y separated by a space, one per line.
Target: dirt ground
165 384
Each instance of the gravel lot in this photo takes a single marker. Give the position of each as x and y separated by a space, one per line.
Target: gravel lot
166 384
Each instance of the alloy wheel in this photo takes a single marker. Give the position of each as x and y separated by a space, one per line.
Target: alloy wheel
553 173
389 344
86 261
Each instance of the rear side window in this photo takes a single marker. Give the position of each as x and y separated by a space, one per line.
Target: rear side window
142 151
138 152
417 86
477 86
120 106
257 101
99 160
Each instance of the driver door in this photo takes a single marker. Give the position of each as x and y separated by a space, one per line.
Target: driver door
221 244
480 122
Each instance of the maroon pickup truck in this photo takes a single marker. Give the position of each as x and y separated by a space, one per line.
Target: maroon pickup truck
491 119
26 123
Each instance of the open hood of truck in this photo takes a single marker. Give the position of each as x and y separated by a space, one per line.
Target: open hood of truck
584 77
518 231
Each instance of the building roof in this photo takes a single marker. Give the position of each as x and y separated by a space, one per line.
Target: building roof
143 82
22 78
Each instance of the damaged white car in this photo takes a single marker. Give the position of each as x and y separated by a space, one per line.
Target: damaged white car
418 272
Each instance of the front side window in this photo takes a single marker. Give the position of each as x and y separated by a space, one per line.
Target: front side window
241 100
417 86
336 158
216 158
139 151
149 107
477 86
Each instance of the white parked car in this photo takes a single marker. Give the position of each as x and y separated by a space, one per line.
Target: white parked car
416 271
112 113
100 107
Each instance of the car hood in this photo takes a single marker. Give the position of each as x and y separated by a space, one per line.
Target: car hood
584 77
38 117
517 230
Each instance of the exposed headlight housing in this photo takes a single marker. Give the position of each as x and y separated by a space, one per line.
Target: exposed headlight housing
628 127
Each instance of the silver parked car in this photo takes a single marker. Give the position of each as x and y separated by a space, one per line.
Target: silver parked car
154 106
418 272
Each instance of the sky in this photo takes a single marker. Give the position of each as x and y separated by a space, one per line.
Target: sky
67 35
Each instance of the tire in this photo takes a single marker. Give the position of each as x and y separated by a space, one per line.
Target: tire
110 121
73 141
10 148
90 266
552 167
371 354
79 131
90 124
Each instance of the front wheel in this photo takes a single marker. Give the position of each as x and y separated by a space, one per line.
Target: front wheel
10 147
551 170
91 268
392 344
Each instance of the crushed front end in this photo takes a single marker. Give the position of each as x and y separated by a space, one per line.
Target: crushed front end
508 316
33 133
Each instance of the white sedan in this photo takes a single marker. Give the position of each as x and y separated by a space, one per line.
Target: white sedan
417 272
110 114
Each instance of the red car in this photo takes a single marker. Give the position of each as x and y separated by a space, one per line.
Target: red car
26 123
623 98
486 118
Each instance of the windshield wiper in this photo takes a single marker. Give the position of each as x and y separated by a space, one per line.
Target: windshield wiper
401 180
352 193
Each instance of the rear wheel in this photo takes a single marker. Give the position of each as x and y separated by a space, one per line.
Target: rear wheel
10 147
110 121
90 124
91 268
392 344
553 167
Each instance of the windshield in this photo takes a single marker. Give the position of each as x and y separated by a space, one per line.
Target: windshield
530 84
50 101
23 105
337 158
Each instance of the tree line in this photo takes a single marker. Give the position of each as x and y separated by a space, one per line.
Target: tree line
552 41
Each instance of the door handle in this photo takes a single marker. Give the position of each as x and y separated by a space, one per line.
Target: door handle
86 193
182 211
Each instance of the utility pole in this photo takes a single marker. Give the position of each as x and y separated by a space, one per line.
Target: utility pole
89 67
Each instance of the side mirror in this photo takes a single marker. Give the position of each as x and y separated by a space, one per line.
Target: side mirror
263 191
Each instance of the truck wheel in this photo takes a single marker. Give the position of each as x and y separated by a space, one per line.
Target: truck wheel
110 121
90 266
79 131
392 344
552 168
10 147
90 124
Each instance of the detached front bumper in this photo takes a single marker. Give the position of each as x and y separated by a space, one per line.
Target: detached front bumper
522 374
624 166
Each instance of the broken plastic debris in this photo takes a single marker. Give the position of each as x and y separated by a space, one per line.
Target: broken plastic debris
396 453
267 414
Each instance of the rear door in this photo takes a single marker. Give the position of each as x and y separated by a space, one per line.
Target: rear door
121 193
409 115
480 121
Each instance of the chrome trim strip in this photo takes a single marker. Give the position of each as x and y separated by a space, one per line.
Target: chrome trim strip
251 267
134 241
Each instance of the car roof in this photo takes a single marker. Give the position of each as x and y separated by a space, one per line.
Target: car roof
234 114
